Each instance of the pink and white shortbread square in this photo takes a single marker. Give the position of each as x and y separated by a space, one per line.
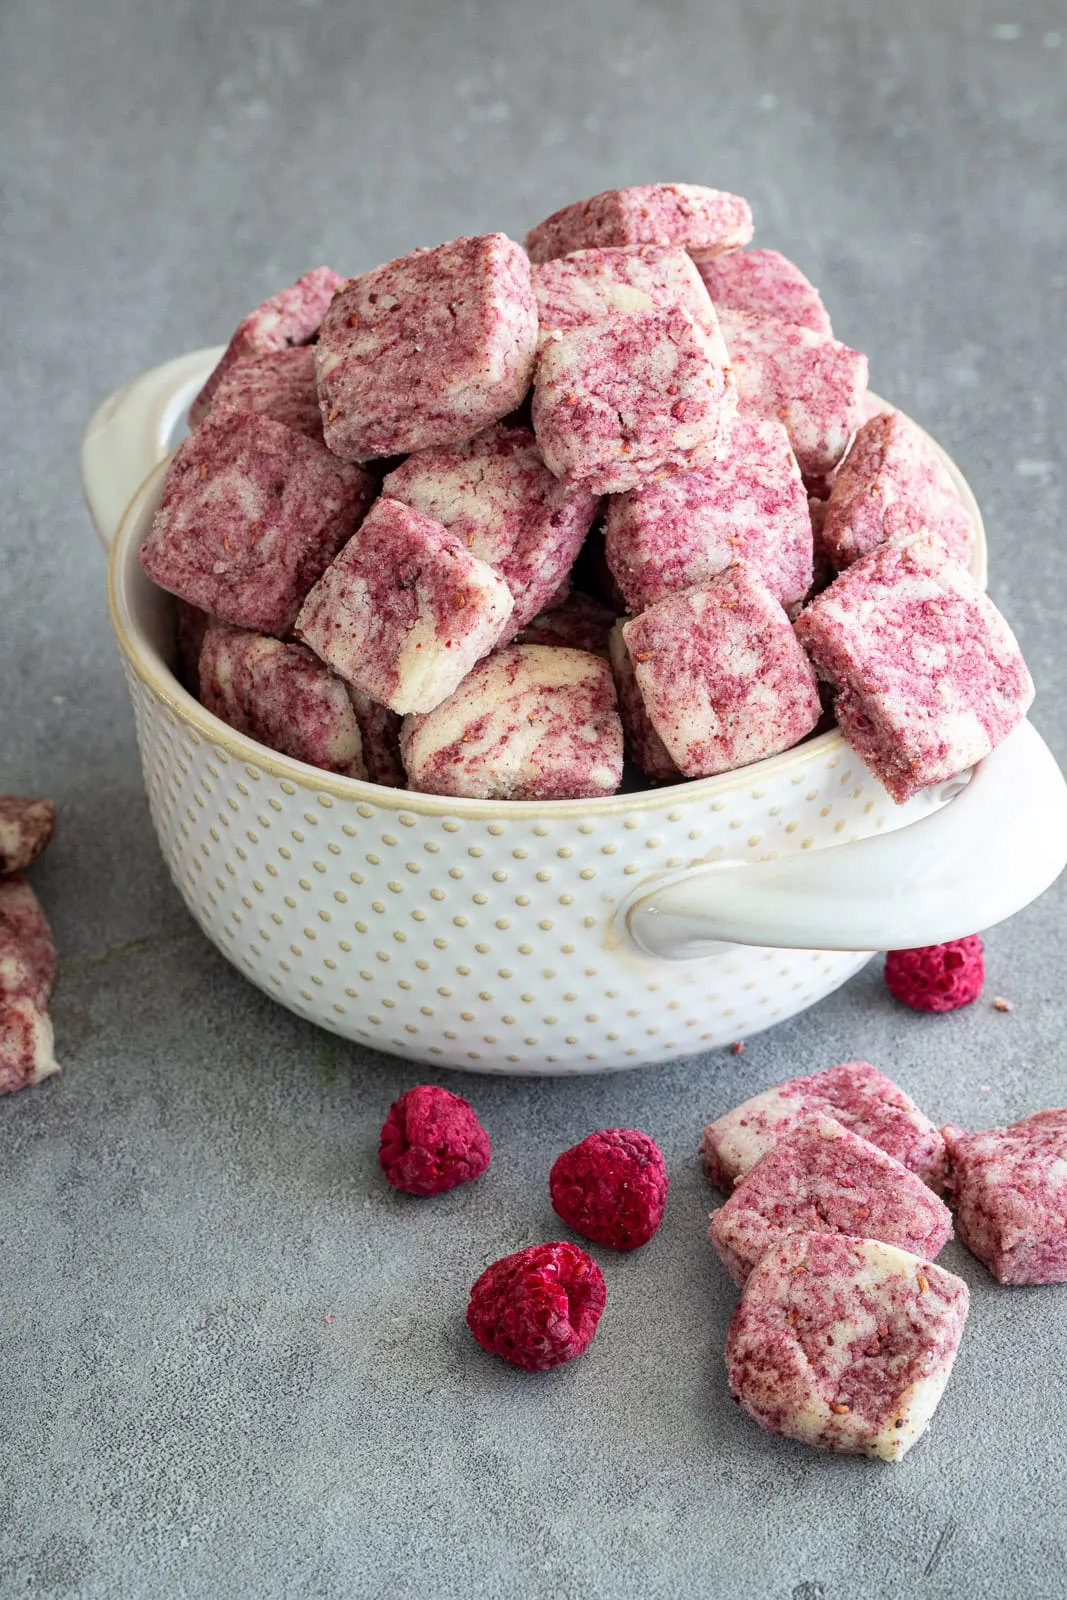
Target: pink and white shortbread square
27 972
428 349
251 515
855 1094
823 1178
928 675
684 530
589 284
893 482
496 495
291 317
806 380
1009 1190
630 396
280 385
530 723
406 610
703 221
722 677
768 285
282 695
644 745
845 1344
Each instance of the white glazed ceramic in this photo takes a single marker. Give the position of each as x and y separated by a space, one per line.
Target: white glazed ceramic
557 937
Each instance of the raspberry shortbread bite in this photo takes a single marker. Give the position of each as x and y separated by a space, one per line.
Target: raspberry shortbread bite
282 695
703 221
406 610
580 623
893 482
252 513
722 677
26 826
808 381
846 1344
530 723
280 385
496 494
854 1094
590 284
1009 1190
680 531
766 284
822 1178
635 394
646 748
427 350
928 675
27 972
291 317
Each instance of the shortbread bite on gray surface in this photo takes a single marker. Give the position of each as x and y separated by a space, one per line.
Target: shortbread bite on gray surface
704 221
891 483
406 609
722 677
854 1094
593 283
630 396
282 695
846 1344
927 673
291 317
280 384
27 972
685 529
1009 1190
644 745
497 496
822 1178
251 515
579 623
428 349
767 284
529 723
808 381
26 826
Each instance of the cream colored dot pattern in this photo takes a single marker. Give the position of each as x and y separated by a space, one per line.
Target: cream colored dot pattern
487 943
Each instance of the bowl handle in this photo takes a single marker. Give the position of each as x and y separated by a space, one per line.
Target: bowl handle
998 844
131 433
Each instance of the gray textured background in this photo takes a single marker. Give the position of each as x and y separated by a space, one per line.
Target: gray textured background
185 1207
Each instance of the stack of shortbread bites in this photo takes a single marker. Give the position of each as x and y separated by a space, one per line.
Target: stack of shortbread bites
374 526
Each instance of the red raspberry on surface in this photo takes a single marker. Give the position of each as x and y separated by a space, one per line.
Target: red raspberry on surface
538 1307
431 1141
612 1187
937 977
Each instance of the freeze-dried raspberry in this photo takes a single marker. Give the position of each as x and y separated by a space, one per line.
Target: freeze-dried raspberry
938 977
538 1307
612 1187
431 1141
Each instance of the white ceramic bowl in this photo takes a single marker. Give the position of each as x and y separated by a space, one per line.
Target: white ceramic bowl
554 937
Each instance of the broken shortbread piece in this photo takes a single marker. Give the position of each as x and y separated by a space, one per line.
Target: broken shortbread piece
27 972
26 826
1009 1190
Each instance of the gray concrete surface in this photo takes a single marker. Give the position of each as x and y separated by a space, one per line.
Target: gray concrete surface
232 1362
